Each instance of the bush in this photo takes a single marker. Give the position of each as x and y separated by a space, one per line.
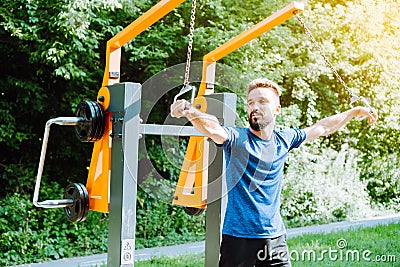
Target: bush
383 180
160 223
30 234
323 185
33 234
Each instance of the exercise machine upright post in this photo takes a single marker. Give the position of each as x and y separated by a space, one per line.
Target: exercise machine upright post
125 99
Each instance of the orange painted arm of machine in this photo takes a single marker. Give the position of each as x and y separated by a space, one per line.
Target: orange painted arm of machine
193 176
255 31
98 178
113 59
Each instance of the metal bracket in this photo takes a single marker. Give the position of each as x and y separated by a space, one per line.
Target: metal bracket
59 203
355 98
184 90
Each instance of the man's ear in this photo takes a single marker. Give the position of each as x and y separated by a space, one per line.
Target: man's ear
277 110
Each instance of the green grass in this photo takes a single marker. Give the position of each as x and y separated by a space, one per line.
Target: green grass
359 247
182 261
308 250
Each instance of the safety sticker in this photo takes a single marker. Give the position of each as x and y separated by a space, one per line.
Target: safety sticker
127 251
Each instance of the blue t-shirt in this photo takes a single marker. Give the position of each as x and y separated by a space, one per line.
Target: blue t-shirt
254 171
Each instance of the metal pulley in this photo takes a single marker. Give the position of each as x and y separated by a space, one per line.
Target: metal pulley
91 128
78 210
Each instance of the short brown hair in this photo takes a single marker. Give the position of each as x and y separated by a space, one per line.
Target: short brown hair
263 83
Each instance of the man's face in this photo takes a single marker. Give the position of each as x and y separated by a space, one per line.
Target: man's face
262 107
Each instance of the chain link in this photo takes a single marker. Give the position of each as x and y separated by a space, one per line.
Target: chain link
318 47
190 45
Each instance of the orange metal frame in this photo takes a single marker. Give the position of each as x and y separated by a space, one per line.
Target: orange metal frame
191 190
99 172
194 170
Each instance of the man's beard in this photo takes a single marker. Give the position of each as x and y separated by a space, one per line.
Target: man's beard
258 124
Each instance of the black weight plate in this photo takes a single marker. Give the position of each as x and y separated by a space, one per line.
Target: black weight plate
93 115
95 119
84 128
85 202
98 121
75 193
92 128
102 121
74 212
79 210
192 211
81 128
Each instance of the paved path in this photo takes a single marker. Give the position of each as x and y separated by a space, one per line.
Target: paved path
198 247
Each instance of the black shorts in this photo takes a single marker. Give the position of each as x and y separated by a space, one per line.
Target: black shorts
249 252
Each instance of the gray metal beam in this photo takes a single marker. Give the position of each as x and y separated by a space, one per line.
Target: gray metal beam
223 106
125 109
176 130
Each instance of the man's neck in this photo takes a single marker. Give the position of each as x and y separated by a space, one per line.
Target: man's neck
265 133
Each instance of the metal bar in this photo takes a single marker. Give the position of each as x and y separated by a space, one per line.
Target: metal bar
68 121
143 22
127 34
255 31
56 203
216 187
241 39
186 89
154 129
123 180
215 211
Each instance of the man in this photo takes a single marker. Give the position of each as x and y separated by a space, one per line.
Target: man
253 231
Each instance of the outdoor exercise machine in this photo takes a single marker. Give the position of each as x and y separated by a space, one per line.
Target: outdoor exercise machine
113 123
115 117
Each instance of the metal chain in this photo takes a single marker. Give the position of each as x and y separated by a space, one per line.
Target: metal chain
317 46
190 45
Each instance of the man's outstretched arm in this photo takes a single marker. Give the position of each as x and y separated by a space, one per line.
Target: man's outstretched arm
333 123
204 123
